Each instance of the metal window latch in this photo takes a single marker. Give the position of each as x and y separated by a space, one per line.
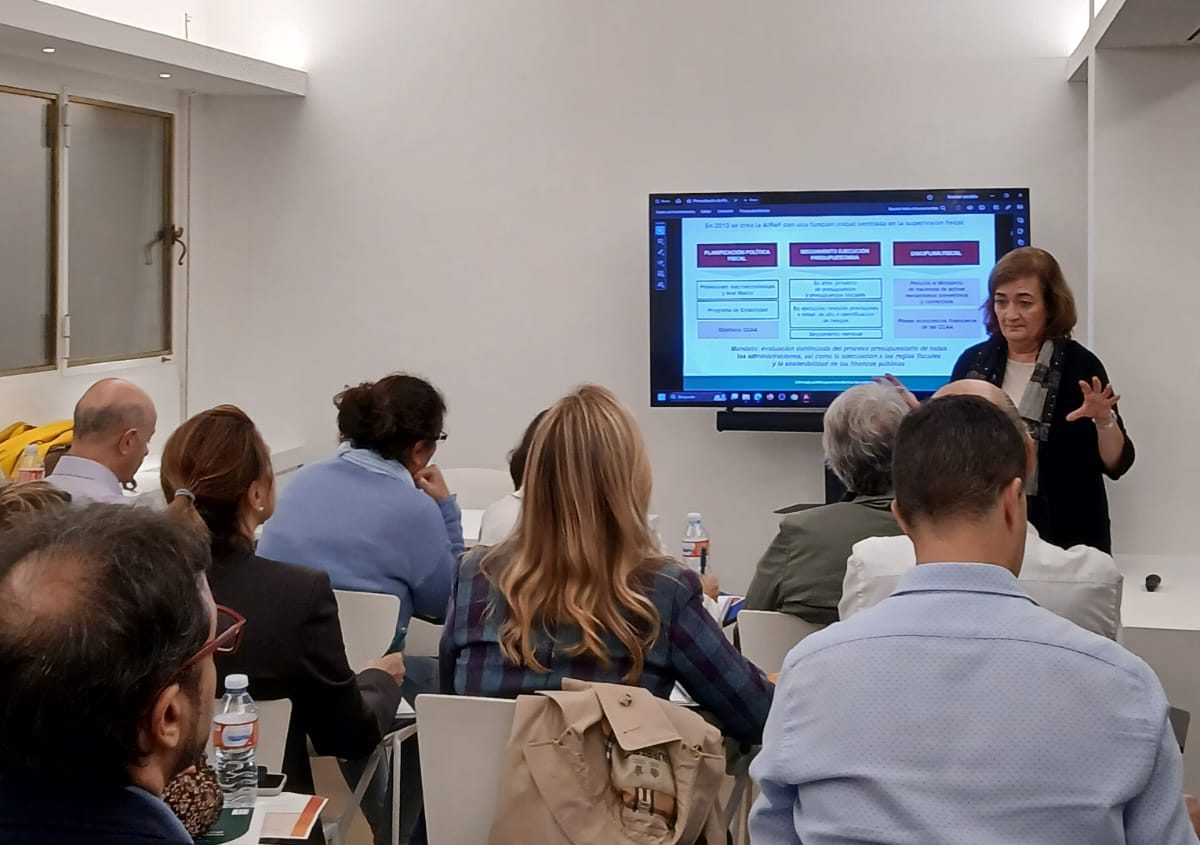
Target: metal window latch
173 234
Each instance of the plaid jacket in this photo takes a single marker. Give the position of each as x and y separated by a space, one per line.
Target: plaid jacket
691 649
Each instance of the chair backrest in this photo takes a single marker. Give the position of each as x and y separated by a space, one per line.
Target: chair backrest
368 625
477 487
462 741
1179 724
767 636
422 639
273 720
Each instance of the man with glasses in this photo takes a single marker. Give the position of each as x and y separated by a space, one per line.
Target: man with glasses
107 631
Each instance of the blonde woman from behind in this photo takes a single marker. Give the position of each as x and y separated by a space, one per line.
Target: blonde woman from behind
581 589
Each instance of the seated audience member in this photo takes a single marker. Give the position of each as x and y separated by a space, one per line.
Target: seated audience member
581 589
18 499
1081 583
500 517
114 422
216 474
53 455
377 517
107 631
802 571
957 709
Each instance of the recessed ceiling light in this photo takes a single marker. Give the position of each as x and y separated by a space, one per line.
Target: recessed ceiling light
48 50
164 76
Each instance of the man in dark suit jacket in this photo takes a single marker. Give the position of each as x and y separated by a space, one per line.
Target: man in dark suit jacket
107 631
802 571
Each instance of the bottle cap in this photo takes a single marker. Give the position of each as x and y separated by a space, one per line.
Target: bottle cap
693 517
31 449
236 682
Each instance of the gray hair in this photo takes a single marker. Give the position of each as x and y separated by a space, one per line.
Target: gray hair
860 431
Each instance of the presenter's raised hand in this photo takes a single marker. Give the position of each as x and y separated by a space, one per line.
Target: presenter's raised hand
431 481
1098 403
907 395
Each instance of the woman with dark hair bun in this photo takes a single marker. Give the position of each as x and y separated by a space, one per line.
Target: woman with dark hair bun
378 516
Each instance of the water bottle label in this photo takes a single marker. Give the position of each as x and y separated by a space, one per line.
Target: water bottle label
235 737
31 474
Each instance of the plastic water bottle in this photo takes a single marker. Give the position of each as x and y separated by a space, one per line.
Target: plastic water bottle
695 544
29 465
235 735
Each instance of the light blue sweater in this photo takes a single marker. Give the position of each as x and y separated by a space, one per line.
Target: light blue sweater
362 519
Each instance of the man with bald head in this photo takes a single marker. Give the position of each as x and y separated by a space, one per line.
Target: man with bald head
1081 583
114 422
107 635
957 709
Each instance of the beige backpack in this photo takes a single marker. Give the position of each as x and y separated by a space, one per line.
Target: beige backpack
607 763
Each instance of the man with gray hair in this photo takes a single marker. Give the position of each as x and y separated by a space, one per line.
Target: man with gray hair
114 422
802 571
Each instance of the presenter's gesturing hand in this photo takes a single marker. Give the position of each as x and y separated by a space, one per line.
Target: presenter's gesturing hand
1098 403
431 481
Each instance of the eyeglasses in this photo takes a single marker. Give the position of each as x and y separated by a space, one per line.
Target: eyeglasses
227 641
441 437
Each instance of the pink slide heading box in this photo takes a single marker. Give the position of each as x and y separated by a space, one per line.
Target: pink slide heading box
835 254
737 255
929 253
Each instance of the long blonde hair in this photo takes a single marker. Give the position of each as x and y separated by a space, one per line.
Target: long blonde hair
582 542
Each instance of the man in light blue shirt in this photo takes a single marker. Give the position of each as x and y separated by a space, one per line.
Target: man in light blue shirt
957 710
114 421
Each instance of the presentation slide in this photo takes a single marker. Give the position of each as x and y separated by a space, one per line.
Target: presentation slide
826 302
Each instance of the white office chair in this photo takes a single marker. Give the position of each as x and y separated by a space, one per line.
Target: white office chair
767 636
462 763
477 487
368 625
422 639
273 720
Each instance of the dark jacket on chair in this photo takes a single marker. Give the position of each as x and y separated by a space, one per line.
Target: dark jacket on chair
84 815
802 571
292 648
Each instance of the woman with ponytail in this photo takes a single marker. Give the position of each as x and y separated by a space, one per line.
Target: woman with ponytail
216 475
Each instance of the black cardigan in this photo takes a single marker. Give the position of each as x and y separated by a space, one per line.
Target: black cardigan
1071 506
292 648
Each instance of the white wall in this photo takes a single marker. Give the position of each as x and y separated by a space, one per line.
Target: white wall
165 16
462 195
1145 287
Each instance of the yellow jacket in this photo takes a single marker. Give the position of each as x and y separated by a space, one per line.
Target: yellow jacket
17 436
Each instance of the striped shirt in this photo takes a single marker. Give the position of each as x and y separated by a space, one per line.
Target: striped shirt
690 650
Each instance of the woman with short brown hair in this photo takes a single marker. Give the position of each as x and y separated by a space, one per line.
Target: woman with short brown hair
1062 392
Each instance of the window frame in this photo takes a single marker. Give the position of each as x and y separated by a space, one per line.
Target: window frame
61 95
53 130
67 362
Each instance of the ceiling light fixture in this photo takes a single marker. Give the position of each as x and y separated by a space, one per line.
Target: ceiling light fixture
48 50
164 76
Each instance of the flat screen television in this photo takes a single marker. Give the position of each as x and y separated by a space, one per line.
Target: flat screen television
785 299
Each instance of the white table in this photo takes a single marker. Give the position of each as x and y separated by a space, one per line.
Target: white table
1163 628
